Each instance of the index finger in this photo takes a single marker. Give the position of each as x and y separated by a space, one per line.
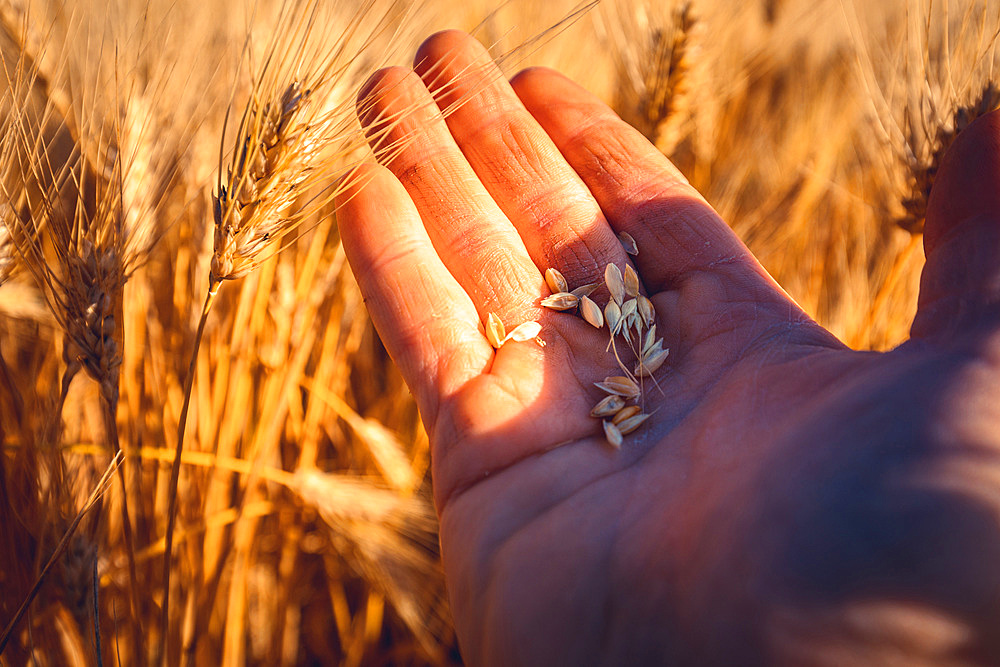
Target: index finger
427 322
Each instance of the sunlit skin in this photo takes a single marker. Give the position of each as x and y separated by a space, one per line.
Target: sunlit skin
791 501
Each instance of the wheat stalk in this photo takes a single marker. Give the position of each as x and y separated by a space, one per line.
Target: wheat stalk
7 251
77 238
92 501
385 536
296 133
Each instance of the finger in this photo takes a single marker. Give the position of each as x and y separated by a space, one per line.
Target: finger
960 284
425 319
559 221
640 191
477 244
711 283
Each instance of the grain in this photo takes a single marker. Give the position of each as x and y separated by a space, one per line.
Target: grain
608 406
629 313
628 243
591 312
613 316
615 282
619 385
649 339
625 413
612 434
651 362
632 423
561 301
556 281
495 332
631 280
646 311
523 332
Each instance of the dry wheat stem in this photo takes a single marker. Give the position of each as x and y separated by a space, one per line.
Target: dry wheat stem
7 251
95 495
175 471
84 288
138 637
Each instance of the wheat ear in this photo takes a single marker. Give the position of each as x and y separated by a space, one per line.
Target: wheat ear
73 197
296 131
921 170
654 62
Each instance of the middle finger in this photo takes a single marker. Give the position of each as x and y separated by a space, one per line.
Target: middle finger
470 233
560 222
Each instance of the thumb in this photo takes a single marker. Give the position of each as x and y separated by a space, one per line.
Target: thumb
960 284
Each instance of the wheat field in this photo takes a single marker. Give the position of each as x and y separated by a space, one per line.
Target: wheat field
180 335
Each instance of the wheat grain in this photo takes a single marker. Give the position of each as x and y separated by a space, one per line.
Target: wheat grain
561 301
523 332
631 281
651 362
629 314
612 434
646 310
631 423
591 312
613 316
651 345
628 243
555 280
619 385
625 413
626 317
615 282
495 332
608 406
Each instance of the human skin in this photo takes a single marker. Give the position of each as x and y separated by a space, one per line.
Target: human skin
790 501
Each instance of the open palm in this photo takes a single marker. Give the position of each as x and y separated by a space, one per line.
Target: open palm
788 498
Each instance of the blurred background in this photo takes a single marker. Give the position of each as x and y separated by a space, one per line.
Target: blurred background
305 532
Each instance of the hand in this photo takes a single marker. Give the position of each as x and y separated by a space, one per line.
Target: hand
790 500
